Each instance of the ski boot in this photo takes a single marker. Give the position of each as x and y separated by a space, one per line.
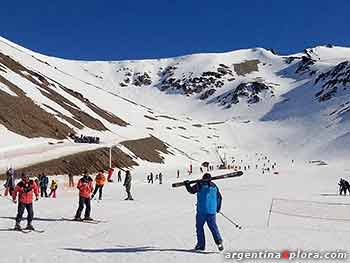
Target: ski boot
199 248
87 218
78 218
29 227
220 245
18 227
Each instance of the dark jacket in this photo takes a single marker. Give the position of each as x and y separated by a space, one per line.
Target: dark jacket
44 181
127 181
209 198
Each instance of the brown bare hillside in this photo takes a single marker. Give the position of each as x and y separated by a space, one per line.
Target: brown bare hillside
21 115
148 149
91 161
47 89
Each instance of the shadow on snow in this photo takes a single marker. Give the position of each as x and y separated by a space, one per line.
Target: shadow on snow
136 249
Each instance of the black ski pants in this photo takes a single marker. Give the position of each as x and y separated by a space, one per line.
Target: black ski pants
20 211
83 202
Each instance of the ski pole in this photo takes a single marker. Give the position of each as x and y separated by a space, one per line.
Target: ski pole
236 225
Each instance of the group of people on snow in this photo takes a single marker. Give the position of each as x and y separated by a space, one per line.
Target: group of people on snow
85 139
209 199
24 191
344 186
151 178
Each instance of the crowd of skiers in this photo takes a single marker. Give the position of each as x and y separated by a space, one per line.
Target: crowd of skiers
85 139
208 197
23 192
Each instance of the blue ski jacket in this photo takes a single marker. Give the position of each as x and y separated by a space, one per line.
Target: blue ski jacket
208 197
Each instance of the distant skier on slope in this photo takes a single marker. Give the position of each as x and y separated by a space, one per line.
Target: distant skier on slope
119 176
25 190
10 181
70 180
110 173
343 186
160 176
127 184
43 182
53 188
208 204
85 188
100 182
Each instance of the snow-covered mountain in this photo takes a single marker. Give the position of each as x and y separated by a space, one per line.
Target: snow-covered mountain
249 99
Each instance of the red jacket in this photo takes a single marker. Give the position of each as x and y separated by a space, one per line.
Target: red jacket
25 191
85 187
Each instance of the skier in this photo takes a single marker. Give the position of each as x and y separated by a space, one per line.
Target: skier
100 181
343 186
160 176
127 184
150 178
208 204
190 170
178 174
53 188
119 176
10 181
110 173
25 190
85 188
43 182
71 180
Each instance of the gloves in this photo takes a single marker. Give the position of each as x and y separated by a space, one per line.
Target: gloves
14 201
37 199
187 182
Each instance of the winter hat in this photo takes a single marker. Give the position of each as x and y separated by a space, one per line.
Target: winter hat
206 176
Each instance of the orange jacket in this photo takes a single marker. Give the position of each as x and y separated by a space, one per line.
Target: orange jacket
100 179
25 191
85 187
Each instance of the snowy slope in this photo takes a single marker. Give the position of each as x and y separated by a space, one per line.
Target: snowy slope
246 89
239 106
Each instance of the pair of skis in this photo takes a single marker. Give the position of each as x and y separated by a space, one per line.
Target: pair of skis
223 176
83 221
24 231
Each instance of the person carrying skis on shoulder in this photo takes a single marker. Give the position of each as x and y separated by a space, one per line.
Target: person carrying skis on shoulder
85 189
100 181
208 204
127 184
53 188
25 190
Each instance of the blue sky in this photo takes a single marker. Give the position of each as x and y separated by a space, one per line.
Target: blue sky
114 29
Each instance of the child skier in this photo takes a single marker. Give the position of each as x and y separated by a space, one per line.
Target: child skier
85 188
100 181
208 204
53 188
25 190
